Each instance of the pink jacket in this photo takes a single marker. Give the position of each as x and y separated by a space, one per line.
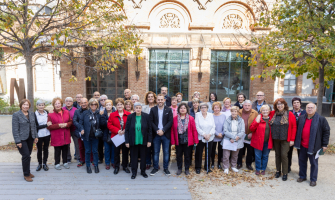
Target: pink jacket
60 136
191 131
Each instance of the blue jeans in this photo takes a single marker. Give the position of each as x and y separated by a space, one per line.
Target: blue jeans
262 157
109 153
158 140
91 145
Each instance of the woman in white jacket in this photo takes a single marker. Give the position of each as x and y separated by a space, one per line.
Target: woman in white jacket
205 125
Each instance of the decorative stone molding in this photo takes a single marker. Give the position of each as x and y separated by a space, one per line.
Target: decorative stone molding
137 5
232 21
201 5
169 20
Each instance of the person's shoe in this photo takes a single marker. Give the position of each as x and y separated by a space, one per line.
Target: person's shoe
239 166
66 165
249 167
96 169
126 170
148 167
133 176
108 167
167 172
263 172
100 161
313 183
88 169
58 167
39 167
179 172
299 180
257 172
28 179
31 176
69 161
234 169
116 170
197 171
209 170
284 177
80 164
226 171
187 172
219 167
154 172
145 175
278 174
45 167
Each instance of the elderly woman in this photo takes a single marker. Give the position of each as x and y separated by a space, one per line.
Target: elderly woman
174 105
283 129
219 119
206 132
128 106
195 95
59 124
240 99
234 130
261 139
41 119
138 137
25 134
117 125
90 125
184 135
195 108
212 98
135 98
109 147
226 106
69 107
179 96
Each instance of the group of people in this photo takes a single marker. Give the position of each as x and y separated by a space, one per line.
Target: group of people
245 129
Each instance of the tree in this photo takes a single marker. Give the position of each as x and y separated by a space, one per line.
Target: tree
302 39
66 29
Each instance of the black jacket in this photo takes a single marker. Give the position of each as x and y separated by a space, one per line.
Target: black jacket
167 121
167 101
145 127
76 119
190 104
85 123
76 105
240 106
319 133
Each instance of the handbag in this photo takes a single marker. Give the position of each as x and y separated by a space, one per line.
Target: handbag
98 133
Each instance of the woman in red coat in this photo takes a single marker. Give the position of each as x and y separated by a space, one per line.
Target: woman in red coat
184 135
283 129
59 123
261 139
117 125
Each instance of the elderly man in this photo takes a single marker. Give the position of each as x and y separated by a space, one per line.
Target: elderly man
102 101
96 95
248 115
256 105
312 136
135 98
76 104
127 94
69 106
164 92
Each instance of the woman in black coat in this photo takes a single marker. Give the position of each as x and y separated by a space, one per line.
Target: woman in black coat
240 100
138 136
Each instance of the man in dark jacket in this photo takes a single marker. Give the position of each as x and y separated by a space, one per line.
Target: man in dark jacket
312 136
164 92
162 118
256 105
76 104
76 118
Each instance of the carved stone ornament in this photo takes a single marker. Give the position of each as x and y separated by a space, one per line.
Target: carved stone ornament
137 5
169 20
232 21
201 5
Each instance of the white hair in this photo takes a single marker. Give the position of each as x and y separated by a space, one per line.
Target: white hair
104 96
247 101
135 95
40 101
68 98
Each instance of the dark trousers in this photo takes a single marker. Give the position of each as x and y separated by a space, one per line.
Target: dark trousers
250 154
101 149
281 150
91 147
25 151
125 154
198 154
61 150
183 150
43 146
76 147
220 152
289 155
303 158
149 157
138 150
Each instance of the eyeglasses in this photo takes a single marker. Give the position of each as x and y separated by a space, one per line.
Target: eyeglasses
94 104
103 99
203 107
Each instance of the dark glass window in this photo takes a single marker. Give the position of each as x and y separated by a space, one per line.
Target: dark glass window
229 74
169 68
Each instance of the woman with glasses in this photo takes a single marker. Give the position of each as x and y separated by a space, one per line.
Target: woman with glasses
283 130
196 95
128 106
205 125
89 122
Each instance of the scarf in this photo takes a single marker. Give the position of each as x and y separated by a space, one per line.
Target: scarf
182 127
283 120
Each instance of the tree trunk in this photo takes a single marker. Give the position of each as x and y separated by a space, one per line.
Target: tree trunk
30 81
321 88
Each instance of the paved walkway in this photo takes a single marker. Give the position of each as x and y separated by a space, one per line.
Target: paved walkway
75 183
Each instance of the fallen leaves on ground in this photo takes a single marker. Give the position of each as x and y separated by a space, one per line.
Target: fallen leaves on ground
331 149
12 146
